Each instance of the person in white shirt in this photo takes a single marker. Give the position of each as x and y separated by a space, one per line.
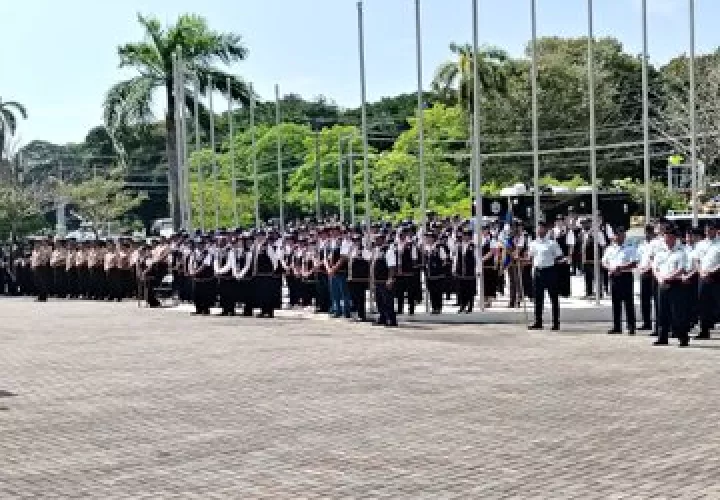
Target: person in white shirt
708 267
646 252
223 267
544 252
587 249
620 259
669 267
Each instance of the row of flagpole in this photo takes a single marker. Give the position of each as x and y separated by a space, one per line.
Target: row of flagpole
476 171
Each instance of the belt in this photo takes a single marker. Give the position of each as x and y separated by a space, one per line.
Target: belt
544 268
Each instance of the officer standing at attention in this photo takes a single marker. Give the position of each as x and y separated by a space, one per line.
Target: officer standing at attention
619 260
709 295
646 251
384 267
669 267
545 253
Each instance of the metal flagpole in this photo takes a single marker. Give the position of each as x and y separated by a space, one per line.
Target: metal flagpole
421 118
178 140
363 94
646 111
476 157
341 183
279 157
535 126
693 119
186 162
215 172
233 182
318 207
593 155
351 175
201 176
256 184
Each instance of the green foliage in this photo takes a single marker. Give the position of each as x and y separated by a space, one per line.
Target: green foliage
20 211
661 198
102 200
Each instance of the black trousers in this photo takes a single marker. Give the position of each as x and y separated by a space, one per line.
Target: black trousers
204 295
671 312
466 288
709 301
42 276
545 280
647 298
59 281
435 291
385 303
622 297
322 291
227 292
589 276
294 285
404 286
358 297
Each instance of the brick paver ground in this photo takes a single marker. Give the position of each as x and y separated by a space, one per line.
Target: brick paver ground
111 401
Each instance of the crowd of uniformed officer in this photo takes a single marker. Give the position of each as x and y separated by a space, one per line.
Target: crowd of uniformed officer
332 268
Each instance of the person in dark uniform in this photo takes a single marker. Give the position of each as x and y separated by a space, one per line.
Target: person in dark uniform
223 270
58 263
322 288
587 246
668 267
491 278
408 257
264 264
545 253
619 260
40 265
155 269
465 271
359 275
694 248
241 272
436 263
384 267
709 293
203 275
564 268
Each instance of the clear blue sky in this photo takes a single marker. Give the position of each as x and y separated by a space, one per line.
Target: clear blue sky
59 57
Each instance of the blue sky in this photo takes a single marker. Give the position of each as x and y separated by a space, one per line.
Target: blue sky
59 57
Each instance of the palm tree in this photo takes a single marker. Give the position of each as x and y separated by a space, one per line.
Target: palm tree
454 79
9 112
130 102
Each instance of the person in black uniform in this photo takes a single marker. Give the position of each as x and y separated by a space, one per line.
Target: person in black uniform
223 267
545 254
436 263
465 271
669 266
408 261
359 275
619 260
264 281
242 254
646 250
384 266
560 233
202 272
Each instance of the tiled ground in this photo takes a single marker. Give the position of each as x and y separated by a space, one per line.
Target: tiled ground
111 401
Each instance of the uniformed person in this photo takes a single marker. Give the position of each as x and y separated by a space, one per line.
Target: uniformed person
709 293
646 252
40 265
465 271
587 249
668 267
156 268
263 266
242 259
619 260
436 261
359 258
544 253
408 257
383 268
58 263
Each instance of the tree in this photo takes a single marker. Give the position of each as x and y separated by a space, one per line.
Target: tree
9 113
20 211
131 101
101 200
673 119
454 79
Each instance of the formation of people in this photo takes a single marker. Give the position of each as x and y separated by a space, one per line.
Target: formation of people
335 269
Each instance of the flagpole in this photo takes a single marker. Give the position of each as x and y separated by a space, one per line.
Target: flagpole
351 175
421 118
233 183
187 196
646 112
279 157
693 118
363 93
178 138
593 152
476 156
201 180
341 183
215 172
535 126
256 185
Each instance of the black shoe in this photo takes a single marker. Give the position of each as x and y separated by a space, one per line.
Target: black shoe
684 343
461 310
645 328
555 328
653 334
614 332
631 332
660 342
535 326
702 336
378 323
391 325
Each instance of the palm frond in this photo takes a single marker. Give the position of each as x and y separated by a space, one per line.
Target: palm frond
16 106
142 55
239 88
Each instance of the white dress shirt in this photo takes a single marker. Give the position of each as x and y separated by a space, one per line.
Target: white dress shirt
710 259
669 260
620 255
544 252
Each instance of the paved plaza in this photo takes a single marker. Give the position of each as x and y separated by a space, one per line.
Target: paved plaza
108 401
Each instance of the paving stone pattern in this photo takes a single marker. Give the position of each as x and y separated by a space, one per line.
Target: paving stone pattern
108 401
